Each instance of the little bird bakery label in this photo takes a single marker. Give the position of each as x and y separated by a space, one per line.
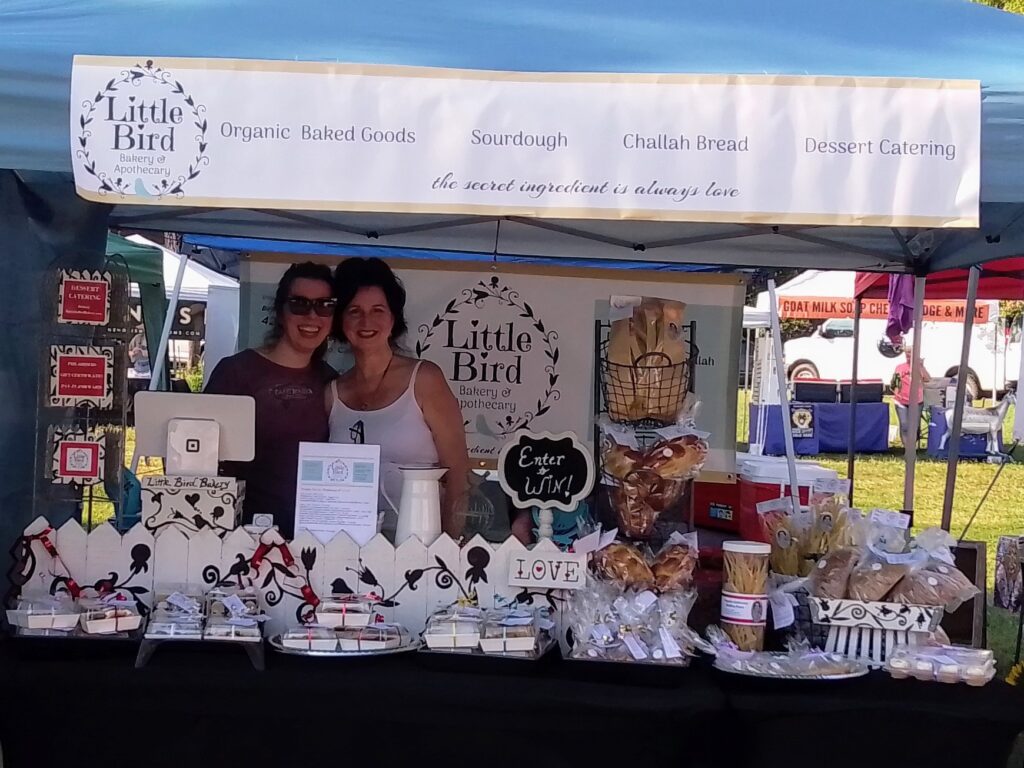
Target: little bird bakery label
141 133
500 358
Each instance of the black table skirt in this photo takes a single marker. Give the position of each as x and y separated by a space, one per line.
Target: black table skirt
207 707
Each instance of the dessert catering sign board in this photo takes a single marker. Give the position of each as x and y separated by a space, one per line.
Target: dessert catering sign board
772 149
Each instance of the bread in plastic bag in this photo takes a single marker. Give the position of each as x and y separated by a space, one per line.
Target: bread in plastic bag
831 575
874 576
674 565
623 564
927 587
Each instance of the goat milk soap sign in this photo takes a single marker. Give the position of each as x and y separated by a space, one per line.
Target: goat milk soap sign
546 471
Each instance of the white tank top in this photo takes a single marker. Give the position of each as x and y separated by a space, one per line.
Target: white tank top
399 429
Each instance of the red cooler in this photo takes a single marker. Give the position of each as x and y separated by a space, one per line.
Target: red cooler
764 478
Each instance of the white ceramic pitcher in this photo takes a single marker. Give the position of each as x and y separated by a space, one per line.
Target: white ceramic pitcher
419 511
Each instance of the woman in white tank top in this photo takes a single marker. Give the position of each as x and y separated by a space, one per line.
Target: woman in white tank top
403 405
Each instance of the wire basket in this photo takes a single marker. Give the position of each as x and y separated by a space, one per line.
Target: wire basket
648 393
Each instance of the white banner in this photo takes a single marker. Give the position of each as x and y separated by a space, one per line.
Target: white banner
517 343
768 149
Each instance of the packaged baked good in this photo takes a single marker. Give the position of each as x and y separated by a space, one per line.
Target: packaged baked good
646 375
787 533
876 574
640 499
454 628
674 565
515 630
60 614
928 587
744 606
831 575
344 611
225 601
309 637
108 615
238 629
680 457
176 614
619 460
375 637
623 564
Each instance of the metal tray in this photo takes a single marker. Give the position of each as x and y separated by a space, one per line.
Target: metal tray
277 645
851 675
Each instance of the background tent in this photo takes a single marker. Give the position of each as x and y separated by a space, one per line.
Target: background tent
146 269
1003 279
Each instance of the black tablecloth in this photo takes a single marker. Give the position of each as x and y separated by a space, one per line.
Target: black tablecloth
207 706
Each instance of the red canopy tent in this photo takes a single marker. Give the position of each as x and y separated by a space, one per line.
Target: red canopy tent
1002 279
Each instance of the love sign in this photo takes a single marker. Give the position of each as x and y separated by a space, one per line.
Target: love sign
545 470
548 570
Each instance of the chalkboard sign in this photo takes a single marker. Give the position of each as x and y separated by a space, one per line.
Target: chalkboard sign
539 469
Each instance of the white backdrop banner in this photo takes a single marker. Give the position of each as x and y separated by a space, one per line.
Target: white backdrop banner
300 135
517 342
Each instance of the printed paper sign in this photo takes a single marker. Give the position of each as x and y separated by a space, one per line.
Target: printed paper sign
81 376
83 298
824 308
802 420
672 147
337 490
548 570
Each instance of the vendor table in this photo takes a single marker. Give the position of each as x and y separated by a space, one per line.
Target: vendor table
831 429
202 708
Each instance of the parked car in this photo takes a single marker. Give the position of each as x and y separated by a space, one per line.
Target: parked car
828 353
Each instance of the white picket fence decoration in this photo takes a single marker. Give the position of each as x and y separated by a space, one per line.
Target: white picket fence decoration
412 580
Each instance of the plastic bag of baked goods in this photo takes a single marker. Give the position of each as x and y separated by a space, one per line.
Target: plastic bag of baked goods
832 526
675 563
831 575
623 564
935 580
883 561
646 373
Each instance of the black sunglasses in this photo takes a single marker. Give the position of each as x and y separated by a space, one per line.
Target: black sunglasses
300 305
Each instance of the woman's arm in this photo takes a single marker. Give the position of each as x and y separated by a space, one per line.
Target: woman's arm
329 397
444 418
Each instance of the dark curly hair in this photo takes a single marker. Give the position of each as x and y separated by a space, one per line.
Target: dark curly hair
355 273
309 270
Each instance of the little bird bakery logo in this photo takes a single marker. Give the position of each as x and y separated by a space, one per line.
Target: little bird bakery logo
142 134
499 357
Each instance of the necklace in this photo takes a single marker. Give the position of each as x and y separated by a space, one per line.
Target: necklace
366 400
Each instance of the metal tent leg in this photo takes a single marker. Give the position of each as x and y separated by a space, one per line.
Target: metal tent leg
958 407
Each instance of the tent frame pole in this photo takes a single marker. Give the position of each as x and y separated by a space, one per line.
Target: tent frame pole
851 442
780 374
914 409
157 369
958 406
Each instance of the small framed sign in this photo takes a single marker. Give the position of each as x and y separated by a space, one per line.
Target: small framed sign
83 297
81 376
77 458
548 570
802 420
539 469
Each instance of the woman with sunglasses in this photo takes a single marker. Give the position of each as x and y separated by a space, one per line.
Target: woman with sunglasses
286 377
402 404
